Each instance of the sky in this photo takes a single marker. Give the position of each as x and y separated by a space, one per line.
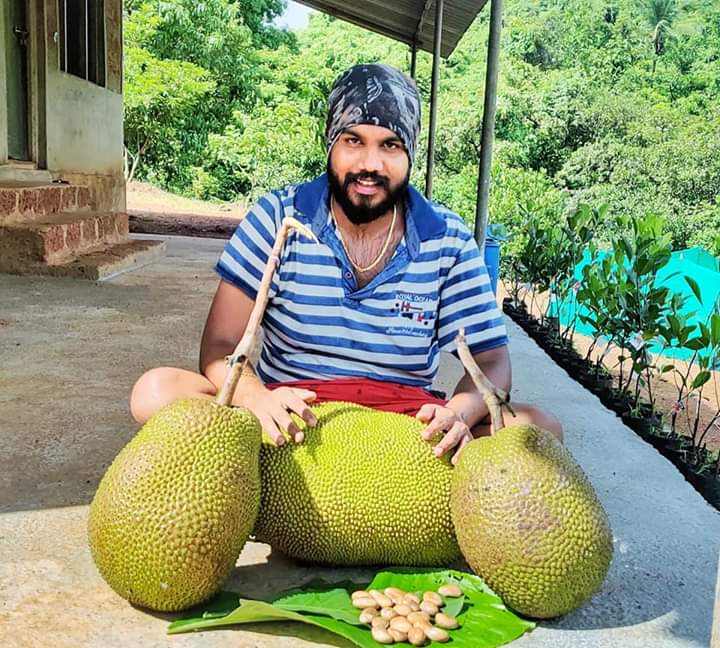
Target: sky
295 16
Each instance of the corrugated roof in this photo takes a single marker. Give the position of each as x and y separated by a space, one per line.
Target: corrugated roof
406 20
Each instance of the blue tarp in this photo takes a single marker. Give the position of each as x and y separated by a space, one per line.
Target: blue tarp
694 262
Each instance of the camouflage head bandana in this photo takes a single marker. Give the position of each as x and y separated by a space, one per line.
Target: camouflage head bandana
374 94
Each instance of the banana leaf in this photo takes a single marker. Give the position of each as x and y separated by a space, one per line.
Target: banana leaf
484 621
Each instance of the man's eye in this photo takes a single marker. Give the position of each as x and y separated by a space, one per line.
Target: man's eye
352 140
392 145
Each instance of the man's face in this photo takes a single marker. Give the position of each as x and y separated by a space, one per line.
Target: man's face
369 171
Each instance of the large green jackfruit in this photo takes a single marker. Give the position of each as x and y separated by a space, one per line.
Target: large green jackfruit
529 522
362 488
176 506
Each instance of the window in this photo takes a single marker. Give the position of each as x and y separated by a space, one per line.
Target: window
82 39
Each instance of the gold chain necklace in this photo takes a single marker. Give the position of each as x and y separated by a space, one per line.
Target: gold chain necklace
382 251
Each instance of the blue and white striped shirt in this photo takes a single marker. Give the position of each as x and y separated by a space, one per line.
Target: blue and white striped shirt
320 325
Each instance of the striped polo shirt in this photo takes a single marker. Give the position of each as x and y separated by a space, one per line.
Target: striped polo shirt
320 325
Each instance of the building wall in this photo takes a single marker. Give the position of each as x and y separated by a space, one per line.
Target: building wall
77 126
3 85
84 127
84 122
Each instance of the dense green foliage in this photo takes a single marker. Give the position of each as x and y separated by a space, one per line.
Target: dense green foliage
599 102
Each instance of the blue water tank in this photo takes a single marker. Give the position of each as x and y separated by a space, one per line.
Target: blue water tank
492 261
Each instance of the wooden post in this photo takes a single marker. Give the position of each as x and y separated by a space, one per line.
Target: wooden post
439 6
488 126
715 639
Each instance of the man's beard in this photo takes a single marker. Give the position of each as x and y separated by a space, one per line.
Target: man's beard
365 212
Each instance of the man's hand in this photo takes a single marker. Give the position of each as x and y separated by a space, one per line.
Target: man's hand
444 419
273 408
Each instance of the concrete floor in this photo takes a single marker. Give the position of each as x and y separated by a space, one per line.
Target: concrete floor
69 353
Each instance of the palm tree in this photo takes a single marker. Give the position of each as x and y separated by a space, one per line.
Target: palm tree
667 19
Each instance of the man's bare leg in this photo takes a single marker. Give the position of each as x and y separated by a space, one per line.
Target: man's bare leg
163 385
524 414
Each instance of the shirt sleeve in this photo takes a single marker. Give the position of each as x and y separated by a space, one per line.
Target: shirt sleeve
243 260
467 301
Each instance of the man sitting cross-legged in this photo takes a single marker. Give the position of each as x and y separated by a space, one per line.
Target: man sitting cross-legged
362 315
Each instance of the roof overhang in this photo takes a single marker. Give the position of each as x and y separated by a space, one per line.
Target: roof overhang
407 21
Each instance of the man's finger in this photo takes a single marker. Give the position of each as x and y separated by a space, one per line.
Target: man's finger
442 421
451 438
306 395
283 420
426 412
272 430
299 405
447 442
463 442
435 426
300 408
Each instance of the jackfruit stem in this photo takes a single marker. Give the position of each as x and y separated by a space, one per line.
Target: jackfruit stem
494 397
239 358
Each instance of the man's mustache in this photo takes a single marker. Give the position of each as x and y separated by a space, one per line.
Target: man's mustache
373 177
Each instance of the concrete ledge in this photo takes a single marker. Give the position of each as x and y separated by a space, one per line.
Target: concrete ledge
99 264
22 173
56 238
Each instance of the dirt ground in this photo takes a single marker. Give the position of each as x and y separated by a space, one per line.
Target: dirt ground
142 196
154 211
665 391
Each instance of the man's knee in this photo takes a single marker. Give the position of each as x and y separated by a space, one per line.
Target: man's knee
541 418
151 391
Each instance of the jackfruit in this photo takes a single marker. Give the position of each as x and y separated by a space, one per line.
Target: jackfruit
529 522
177 504
362 488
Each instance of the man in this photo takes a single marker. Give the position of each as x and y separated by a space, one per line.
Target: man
363 314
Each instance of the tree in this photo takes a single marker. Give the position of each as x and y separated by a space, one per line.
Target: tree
580 119
258 16
215 44
160 100
666 19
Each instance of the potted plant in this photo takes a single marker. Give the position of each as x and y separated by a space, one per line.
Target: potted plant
568 244
708 362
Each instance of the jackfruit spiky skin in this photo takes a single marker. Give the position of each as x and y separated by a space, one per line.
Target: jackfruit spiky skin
363 488
177 504
529 522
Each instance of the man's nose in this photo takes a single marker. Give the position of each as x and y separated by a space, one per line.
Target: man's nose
372 160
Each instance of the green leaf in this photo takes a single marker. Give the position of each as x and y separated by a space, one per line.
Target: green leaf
248 611
313 599
715 328
454 606
484 620
706 335
701 379
696 344
251 611
694 287
685 333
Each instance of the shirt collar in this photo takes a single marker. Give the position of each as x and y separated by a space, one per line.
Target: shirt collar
422 221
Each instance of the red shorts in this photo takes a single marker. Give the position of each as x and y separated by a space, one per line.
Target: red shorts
386 396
